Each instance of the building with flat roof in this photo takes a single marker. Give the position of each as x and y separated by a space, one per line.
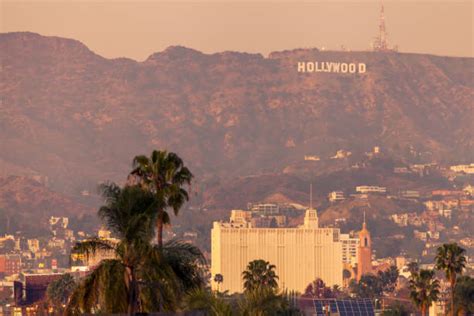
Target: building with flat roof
32 287
370 189
264 208
300 254
10 264
336 196
468 168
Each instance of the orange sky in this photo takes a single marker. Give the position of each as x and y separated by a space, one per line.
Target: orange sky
139 28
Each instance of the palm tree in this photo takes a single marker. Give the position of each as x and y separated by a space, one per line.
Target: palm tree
450 258
424 289
260 274
141 276
164 174
218 278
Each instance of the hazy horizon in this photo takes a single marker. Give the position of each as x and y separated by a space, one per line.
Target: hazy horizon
117 29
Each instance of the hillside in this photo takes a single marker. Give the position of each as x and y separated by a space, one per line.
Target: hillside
26 204
79 118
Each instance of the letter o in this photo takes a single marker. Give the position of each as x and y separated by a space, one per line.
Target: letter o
344 67
310 66
352 68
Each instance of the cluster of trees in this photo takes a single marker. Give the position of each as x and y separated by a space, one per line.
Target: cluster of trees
148 276
425 287
144 276
375 286
319 289
261 295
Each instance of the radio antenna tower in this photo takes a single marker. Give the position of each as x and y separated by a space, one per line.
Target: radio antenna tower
381 43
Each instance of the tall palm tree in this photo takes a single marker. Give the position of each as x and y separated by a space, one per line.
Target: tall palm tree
450 259
424 289
164 174
260 274
141 276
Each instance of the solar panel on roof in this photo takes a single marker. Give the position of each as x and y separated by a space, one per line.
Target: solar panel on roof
351 307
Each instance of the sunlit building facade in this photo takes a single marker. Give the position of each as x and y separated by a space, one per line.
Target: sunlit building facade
300 254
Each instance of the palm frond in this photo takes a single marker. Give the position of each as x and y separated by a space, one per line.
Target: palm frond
187 262
103 290
91 246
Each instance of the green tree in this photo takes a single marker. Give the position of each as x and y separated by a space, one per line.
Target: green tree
58 291
464 295
388 279
263 301
369 286
165 175
141 275
318 289
204 300
450 259
413 267
424 289
260 274
396 309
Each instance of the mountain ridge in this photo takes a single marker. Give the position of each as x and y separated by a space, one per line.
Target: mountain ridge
82 117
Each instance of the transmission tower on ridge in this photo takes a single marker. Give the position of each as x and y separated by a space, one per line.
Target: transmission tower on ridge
380 43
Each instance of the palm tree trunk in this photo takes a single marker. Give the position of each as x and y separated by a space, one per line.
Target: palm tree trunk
132 293
423 310
159 228
453 285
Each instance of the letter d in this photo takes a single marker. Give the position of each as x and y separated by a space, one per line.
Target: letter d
362 68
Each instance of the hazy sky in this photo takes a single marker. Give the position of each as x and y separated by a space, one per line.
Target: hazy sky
136 29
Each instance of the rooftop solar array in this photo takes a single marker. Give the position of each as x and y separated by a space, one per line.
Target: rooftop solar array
360 307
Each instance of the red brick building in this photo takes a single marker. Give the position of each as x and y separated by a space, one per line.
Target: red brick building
10 264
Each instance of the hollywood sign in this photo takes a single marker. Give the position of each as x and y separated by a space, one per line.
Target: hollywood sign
329 66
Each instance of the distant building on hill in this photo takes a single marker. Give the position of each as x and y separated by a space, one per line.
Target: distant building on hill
311 158
264 208
452 193
371 189
409 194
300 254
468 169
336 196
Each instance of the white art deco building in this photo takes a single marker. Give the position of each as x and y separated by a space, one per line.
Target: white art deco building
300 254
